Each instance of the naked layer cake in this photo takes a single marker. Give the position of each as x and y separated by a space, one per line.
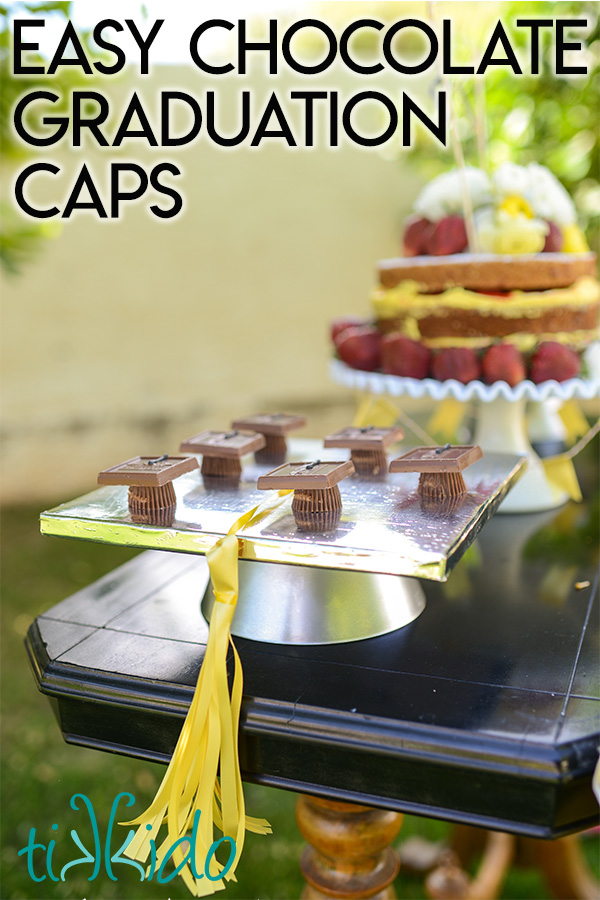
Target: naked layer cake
524 305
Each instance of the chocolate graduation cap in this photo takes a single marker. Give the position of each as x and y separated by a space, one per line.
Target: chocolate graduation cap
151 495
440 468
367 446
317 503
274 427
222 452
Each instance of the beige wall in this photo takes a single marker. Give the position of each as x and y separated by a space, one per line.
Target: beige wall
124 337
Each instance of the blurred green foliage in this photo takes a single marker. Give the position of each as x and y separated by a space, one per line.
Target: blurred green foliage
547 118
14 86
20 239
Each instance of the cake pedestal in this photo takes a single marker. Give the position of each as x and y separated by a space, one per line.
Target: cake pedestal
545 426
358 581
500 424
300 605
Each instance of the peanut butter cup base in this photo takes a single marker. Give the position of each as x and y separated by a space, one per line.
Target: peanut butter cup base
441 485
317 510
369 462
221 467
274 451
152 505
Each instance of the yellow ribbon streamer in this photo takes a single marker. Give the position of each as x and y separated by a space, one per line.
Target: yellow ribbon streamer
202 787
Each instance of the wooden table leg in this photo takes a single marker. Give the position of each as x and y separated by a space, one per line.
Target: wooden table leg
563 866
450 882
349 854
560 862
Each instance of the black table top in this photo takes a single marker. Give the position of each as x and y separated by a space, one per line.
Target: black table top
484 710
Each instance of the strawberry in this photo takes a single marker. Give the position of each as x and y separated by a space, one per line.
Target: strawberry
503 362
360 347
460 363
339 325
416 231
401 356
447 236
554 239
554 361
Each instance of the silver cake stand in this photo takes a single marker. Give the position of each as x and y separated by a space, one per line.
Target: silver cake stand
359 581
500 419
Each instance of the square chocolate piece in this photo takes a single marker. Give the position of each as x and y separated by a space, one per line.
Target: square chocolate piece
148 471
306 476
224 444
369 438
278 424
437 459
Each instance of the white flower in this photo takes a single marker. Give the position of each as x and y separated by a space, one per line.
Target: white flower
444 195
511 179
536 184
549 198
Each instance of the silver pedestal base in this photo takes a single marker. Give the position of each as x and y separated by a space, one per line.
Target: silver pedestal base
282 604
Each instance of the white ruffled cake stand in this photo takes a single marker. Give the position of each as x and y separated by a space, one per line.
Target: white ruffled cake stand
500 424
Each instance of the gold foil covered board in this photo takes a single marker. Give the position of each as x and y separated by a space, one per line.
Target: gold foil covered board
383 527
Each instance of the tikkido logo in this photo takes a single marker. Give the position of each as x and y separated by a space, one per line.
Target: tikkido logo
101 851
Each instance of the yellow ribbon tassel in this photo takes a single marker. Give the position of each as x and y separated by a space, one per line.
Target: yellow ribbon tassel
202 787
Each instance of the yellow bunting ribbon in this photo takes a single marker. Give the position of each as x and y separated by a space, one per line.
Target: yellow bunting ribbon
447 419
572 417
377 411
382 413
202 787
560 471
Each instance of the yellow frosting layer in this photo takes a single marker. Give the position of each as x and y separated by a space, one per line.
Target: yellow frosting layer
407 298
522 341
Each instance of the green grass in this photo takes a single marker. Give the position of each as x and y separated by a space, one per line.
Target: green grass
40 773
